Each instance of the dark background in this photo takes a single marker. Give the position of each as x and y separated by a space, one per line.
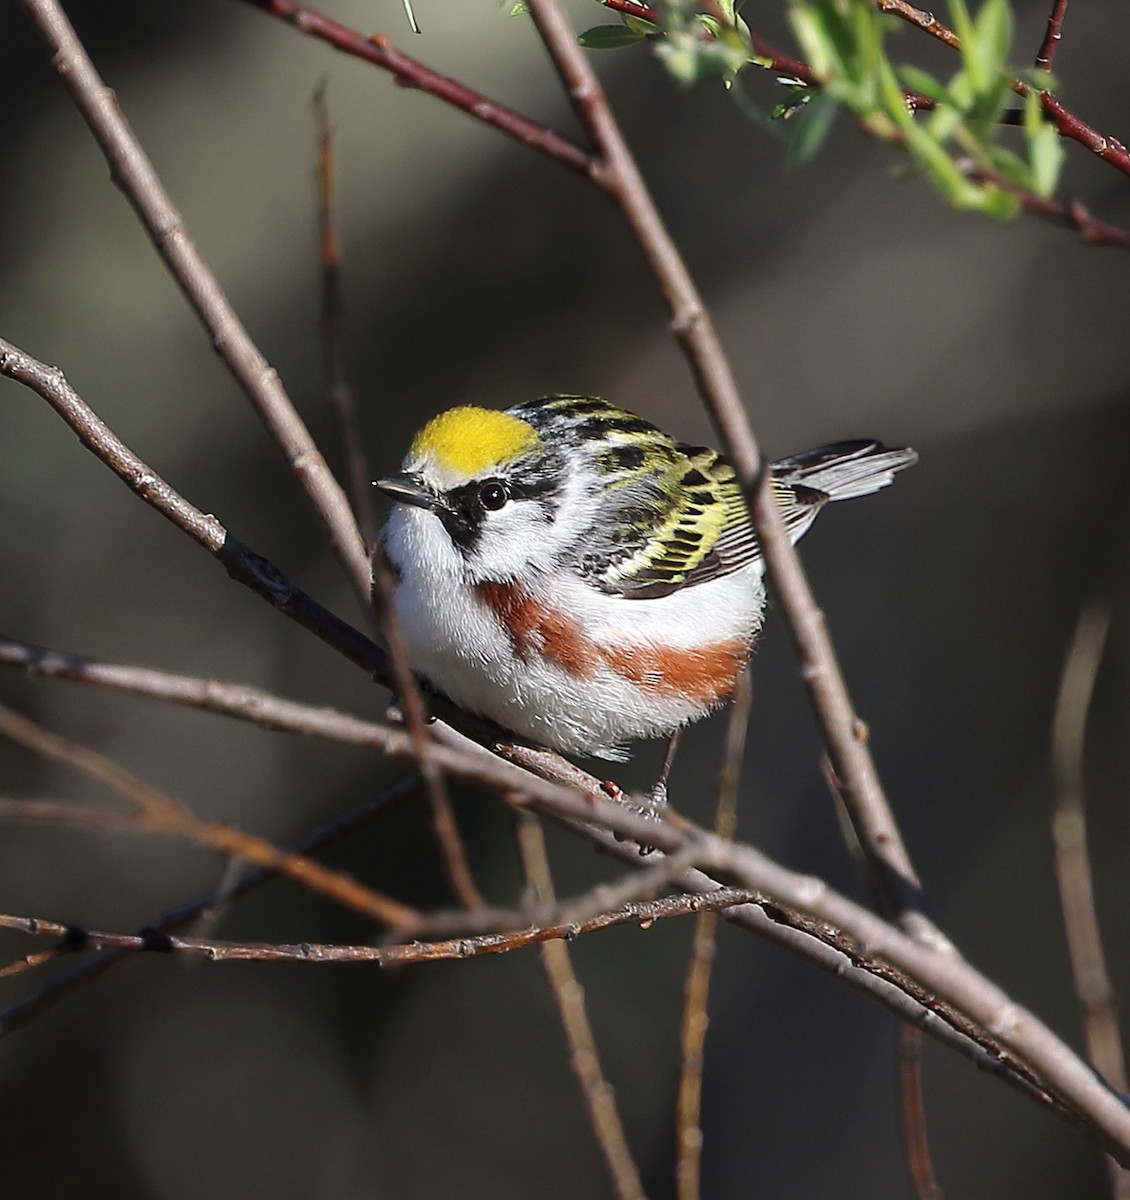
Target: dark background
853 303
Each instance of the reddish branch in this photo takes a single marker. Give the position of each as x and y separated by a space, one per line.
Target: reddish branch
379 51
1052 36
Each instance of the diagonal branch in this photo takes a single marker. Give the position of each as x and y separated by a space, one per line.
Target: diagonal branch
617 172
158 813
131 169
379 51
569 997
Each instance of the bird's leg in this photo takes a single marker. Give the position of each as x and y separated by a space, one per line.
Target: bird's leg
656 798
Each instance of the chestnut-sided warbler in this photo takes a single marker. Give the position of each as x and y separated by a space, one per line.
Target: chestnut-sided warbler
569 571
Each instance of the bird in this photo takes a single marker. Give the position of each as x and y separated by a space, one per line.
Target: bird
569 571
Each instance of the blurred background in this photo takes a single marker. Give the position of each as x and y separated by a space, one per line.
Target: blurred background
853 304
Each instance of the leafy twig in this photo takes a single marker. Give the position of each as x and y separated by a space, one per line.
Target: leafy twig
1107 148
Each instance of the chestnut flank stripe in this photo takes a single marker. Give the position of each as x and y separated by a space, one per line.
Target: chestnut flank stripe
705 674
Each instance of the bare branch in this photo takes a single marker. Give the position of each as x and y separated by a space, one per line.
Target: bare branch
131 169
379 51
618 174
339 392
241 563
696 989
641 913
60 988
159 813
600 1099
914 1114
444 826
1052 36
1073 863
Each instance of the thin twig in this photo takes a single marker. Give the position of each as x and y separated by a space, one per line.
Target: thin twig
640 913
379 51
340 394
1052 35
1073 863
159 813
58 989
241 563
452 851
696 989
132 171
618 174
339 391
913 1111
569 995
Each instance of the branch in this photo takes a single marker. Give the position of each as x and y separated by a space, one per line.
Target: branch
158 813
1109 149
26 1011
339 394
1072 860
617 172
379 51
704 945
600 1099
132 171
1052 36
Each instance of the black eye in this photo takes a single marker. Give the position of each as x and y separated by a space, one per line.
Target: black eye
493 495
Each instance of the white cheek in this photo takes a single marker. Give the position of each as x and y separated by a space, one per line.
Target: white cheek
514 541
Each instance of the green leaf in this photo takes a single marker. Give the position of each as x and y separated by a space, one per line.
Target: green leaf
994 34
797 96
1045 147
985 41
608 37
520 9
998 203
812 127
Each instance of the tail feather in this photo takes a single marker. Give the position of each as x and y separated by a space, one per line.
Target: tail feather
844 470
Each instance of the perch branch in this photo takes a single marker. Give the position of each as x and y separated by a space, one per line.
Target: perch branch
617 172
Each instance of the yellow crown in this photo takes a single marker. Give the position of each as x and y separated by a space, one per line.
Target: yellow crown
467 440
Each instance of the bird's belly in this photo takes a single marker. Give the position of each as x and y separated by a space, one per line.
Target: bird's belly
574 669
